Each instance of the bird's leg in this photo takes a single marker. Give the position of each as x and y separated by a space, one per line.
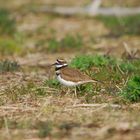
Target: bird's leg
68 91
75 93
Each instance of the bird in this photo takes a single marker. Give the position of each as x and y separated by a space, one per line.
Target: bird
70 77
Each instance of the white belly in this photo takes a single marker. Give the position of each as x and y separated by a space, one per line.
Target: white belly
66 83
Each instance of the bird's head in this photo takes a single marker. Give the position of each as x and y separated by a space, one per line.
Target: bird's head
60 63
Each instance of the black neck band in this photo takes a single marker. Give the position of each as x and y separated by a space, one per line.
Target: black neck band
57 68
57 74
60 68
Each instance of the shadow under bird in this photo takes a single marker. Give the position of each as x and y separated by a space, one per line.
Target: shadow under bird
69 76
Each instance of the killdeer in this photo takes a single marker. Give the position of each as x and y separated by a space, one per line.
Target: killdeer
70 76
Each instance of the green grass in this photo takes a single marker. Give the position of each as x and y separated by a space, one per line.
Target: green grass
84 62
7 23
122 25
127 66
131 91
8 66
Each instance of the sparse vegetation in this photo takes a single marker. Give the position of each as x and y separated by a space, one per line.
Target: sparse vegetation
70 41
9 47
8 66
44 129
67 43
122 25
67 126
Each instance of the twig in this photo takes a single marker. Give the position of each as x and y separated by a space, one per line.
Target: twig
48 89
119 88
127 49
120 69
17 108
96 105
126 81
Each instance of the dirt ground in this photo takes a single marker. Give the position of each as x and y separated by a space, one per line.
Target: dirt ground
27 113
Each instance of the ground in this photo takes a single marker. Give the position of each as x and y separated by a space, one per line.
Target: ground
33 107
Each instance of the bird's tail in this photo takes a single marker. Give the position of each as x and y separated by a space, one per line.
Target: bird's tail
97 81
91 81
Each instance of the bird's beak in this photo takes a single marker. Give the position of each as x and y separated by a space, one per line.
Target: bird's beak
53 64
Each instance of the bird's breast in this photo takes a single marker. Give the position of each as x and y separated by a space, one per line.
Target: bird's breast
65 82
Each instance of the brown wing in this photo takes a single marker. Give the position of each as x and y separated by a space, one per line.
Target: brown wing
73 75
